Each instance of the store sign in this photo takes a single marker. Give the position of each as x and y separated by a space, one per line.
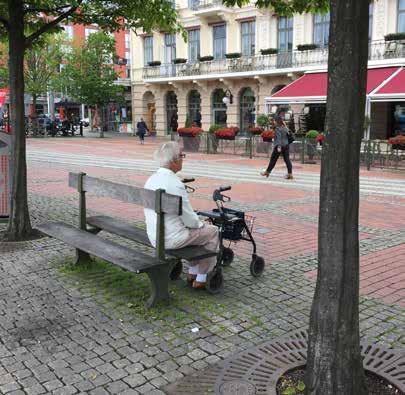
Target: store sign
3 96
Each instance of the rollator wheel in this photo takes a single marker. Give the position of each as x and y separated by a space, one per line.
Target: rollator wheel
257 266
227 256
176 271
215 282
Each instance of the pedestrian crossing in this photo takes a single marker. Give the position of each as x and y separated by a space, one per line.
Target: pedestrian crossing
227 173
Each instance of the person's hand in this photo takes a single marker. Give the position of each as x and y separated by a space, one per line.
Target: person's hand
279 148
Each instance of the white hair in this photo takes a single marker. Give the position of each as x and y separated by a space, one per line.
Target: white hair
167 153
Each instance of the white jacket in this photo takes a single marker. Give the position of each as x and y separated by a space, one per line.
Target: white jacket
176 227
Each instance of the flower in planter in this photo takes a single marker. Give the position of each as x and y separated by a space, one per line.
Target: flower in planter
233 55
307 47
256 131
228 133
320 138
179 60
267 135
189 132
397 140
394 36
154 63
269 51
207 58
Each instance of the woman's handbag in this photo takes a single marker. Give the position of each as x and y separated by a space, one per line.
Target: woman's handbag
290 137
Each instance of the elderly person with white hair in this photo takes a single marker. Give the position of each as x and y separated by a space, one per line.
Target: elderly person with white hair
184 230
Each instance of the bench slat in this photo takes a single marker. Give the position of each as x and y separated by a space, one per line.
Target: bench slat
131 232
171 204
126 258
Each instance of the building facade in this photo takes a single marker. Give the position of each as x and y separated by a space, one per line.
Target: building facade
78 33
248 55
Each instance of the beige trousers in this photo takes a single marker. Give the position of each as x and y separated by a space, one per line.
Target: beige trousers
206 237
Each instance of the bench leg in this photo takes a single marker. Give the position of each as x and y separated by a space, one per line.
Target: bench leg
82 257
159 279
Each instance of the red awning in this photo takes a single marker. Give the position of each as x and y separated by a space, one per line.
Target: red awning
312 87
392 89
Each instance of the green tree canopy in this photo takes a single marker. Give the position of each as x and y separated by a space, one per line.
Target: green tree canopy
89 76
23 23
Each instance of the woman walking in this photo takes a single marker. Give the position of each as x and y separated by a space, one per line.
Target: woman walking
141 130
281 146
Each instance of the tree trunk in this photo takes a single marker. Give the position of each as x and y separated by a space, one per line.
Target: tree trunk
334 362
19 225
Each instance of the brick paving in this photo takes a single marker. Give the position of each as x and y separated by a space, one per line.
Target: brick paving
67 333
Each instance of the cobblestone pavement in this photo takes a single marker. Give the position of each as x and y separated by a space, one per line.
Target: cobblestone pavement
67 332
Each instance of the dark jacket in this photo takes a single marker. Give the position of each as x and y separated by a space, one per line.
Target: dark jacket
142 128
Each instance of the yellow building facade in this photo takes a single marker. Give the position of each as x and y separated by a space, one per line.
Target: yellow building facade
245 54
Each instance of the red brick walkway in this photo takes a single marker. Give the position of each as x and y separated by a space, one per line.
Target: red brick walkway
280 232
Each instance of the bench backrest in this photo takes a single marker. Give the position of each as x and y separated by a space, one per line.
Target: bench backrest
159 201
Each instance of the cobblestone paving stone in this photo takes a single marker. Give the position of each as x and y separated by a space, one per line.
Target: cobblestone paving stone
65 334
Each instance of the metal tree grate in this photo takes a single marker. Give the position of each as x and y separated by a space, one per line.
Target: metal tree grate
257 370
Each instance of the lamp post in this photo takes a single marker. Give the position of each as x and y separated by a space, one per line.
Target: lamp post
228 98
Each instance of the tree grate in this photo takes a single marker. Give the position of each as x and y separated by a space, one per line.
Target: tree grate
257 370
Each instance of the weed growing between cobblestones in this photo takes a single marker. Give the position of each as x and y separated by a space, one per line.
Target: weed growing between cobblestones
127 292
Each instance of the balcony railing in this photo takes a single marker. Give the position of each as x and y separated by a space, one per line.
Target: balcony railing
197 5
378 50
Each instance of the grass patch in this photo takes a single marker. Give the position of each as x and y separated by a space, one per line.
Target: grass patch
127 293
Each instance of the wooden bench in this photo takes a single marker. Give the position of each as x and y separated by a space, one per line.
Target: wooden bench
163 265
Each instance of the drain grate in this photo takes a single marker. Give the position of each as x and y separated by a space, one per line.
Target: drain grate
257 370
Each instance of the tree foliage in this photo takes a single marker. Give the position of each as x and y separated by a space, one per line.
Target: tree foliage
285 7
23 23
89 75
42 16
42 62
3 64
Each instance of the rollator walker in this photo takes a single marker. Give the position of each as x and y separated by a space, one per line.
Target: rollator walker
234 226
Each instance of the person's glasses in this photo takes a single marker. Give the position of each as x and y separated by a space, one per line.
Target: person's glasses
182 156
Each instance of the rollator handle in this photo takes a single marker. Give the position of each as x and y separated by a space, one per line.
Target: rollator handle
223 189
186 180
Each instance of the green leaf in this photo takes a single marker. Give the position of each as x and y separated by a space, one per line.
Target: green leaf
289 391
301 386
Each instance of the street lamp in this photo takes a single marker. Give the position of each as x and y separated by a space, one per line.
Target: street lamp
228 98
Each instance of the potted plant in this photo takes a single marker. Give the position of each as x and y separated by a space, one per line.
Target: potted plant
263 121
227 133
212 139
179 60
394 37
320 138
306 47
267 135
190 137
154 63
269 51
233 55
208 58
397 142
255 131
311 146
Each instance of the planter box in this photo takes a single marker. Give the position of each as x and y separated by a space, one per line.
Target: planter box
226 138
191 144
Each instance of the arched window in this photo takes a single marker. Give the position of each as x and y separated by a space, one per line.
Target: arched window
247 113
218 107
277 88
171 112
194 107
